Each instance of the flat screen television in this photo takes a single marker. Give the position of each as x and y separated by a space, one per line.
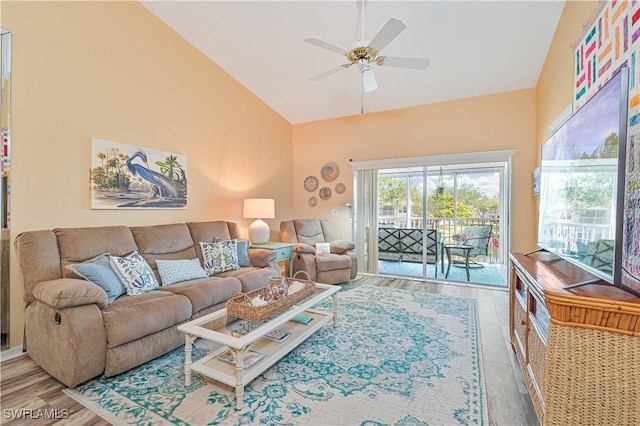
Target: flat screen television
582 181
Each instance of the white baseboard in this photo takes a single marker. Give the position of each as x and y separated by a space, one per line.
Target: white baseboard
11 353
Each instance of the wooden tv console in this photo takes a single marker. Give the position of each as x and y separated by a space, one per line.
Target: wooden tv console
579 350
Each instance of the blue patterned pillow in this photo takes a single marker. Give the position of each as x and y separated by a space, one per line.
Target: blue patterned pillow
135 273
175 271
220 256
98 271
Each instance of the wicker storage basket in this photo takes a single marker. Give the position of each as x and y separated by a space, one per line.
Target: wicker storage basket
240 306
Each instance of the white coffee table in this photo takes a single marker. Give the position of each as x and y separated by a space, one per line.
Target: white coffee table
239 335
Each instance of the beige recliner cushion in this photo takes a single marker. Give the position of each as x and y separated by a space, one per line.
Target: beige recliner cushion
206 292
164 242
331 262
131 317
309 231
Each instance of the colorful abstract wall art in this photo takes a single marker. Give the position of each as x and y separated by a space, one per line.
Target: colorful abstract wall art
612 41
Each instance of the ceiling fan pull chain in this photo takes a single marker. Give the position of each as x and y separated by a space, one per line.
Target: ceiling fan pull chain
362 94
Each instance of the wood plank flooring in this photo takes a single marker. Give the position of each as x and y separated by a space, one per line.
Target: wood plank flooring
25 389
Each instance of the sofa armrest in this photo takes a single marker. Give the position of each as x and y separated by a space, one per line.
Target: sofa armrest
67 292
304 248
261 257
340 246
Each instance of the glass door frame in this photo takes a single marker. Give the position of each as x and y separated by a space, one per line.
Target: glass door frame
365 199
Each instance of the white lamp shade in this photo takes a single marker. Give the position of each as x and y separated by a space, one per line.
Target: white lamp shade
259 208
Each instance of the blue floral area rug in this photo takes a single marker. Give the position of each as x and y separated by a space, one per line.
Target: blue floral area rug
397 357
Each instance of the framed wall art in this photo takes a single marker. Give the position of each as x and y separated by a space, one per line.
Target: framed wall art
129 177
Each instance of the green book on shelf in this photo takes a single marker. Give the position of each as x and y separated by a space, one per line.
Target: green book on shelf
303 319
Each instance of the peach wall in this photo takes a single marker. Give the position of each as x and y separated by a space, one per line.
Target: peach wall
488 123
112 70
554 91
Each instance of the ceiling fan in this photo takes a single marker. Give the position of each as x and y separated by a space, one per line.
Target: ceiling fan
364 53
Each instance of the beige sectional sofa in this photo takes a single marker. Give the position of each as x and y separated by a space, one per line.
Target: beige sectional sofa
75 334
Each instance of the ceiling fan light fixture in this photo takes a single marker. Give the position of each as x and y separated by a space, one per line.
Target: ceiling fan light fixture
368 79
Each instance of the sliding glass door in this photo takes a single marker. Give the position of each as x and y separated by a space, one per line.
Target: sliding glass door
435 221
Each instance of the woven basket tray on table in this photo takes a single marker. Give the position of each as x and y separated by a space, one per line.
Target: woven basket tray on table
240 305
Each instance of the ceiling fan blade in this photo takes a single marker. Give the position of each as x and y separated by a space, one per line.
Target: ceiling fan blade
328 73
368 80
391 30
325 45
413 63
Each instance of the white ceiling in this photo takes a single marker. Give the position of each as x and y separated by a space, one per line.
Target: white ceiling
475 47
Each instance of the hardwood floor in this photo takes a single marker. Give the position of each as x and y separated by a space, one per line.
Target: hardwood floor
28 395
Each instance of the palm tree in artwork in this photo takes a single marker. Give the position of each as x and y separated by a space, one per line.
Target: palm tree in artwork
101 156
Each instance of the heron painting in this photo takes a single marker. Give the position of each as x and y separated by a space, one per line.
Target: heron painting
130 177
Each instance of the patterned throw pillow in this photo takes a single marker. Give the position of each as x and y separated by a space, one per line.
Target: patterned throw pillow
243 251
220 256
135 273
176 271
98 271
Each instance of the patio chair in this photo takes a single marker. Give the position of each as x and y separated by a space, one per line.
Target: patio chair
476 236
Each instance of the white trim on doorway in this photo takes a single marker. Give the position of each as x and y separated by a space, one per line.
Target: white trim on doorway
435 160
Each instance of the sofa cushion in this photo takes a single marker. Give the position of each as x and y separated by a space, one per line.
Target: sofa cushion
134 273
309 231
220 256
252 278
79 244
98 270
163 239
206 292
129 318
330 262
208 232
175 271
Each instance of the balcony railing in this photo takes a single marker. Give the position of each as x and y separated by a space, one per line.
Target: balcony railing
446 228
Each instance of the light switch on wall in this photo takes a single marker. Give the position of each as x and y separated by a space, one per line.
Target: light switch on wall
334 212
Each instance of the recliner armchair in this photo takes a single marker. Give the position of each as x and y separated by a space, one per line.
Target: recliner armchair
338 266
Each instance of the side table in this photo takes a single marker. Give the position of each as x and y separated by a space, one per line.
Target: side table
466 248
284 254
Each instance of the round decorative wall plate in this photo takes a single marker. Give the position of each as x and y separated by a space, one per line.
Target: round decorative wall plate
311 183
325 193
313 201
329 171
340 188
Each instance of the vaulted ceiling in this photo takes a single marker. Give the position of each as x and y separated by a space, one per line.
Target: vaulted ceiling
475 48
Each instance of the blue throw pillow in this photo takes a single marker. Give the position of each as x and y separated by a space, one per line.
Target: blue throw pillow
243 253
175 271
99 272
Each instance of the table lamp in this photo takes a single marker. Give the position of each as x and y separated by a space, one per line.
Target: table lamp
259 208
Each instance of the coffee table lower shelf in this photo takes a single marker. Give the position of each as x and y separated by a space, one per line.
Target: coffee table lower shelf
236 375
